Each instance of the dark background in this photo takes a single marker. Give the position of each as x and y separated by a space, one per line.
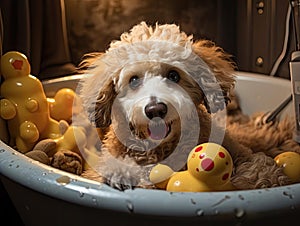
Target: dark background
247 29
55 34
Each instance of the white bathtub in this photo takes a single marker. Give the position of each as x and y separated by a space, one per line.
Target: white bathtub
47 196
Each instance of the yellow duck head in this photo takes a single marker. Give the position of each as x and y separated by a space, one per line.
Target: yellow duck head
61 105
290 162
14 64
211 163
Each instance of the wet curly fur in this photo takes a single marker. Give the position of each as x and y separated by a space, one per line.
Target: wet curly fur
152 76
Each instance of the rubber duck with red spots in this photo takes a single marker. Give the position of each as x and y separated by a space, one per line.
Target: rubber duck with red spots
209 168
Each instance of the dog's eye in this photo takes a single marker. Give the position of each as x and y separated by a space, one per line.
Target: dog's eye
173 76
134 82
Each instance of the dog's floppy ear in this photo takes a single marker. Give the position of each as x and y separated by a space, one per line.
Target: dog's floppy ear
100 111
222 68
98 91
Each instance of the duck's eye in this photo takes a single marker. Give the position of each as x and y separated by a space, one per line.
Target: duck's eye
134 82
173 76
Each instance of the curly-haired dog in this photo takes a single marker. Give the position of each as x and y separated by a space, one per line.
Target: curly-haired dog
153 96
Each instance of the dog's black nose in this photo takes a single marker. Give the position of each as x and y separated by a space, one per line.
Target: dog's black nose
154 109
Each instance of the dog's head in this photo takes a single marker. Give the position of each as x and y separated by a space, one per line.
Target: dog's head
153 81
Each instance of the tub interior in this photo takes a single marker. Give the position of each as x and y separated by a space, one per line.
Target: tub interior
262 93
31 184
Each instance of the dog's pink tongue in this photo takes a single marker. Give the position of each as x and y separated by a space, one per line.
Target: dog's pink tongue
157 129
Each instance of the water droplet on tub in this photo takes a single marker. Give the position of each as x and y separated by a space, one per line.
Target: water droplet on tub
63 180
130 206
81 194
44 174
2 150
95 201
239 213
193 201
287 194
241 197
199 212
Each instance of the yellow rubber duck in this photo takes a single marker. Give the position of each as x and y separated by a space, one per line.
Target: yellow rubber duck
61 105
74 139
24 104
290 161
209 168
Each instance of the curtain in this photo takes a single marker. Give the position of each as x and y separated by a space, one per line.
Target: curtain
38 29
